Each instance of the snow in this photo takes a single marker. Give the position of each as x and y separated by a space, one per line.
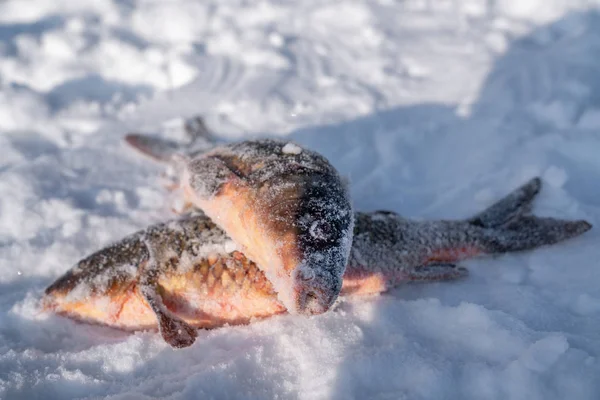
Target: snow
291 148
431 109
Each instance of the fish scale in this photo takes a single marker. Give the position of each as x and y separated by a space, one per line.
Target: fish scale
219 276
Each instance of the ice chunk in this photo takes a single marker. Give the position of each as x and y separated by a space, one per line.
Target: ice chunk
291 148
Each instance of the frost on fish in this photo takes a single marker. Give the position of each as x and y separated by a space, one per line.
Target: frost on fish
287 208
291 148
285 205
106 286
401 250
184 274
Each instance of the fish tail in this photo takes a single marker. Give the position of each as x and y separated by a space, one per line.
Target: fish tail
530 232
509 208
200 140
508 226
158 149
196 129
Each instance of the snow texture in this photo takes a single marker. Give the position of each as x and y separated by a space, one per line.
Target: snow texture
432 109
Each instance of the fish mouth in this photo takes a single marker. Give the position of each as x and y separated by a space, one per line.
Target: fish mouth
311 300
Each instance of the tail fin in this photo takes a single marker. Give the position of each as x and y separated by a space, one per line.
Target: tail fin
158 149
514 205
195 128
530 232
163 150
509 228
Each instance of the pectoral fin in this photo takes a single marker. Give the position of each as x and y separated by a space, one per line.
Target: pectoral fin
173 329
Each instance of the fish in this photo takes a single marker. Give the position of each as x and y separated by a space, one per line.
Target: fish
284 205
188 274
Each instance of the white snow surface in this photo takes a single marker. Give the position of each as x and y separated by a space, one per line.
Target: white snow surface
433 109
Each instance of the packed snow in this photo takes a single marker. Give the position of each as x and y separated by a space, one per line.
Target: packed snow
432 109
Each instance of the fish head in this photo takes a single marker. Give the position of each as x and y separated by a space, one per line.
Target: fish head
312 222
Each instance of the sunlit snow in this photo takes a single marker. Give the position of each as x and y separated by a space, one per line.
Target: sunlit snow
432 109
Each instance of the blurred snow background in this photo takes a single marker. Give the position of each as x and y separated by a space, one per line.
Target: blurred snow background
432 108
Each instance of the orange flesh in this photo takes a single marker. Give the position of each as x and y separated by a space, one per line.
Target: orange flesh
235 210
129 312
230 290
199 297
364 285
217 290
233 213
214 292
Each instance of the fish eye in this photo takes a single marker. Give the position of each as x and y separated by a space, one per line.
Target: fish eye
320 230
306 274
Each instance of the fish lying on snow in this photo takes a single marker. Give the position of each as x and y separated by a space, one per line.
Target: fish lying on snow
186 274
284 205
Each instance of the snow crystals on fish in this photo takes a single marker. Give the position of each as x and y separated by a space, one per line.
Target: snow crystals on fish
268 195
291 148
